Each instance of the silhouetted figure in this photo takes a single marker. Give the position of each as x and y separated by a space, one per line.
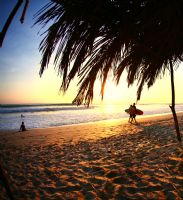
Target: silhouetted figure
22 127
131 115
132 111
134 115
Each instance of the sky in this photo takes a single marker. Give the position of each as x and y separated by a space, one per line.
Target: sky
20 64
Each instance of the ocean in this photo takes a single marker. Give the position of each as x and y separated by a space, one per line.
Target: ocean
51 115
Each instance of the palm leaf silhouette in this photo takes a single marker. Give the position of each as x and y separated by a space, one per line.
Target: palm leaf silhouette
93 38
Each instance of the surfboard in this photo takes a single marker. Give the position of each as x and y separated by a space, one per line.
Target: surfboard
132 111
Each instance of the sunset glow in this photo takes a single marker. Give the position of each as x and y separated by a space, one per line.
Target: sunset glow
21 83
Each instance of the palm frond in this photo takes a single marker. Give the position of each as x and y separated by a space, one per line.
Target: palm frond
92 38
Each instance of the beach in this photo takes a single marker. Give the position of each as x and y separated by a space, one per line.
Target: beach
103 160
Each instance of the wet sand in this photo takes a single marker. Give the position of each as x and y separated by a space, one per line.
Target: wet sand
102 160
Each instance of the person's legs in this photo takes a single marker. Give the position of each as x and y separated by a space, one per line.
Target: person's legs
130 118
134 118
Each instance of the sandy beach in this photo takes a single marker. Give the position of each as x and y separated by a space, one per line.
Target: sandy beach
102 160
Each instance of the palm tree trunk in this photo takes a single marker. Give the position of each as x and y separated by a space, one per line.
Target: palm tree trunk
172 107
5 183
9 20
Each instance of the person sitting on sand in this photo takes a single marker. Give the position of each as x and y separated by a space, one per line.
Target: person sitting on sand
22 127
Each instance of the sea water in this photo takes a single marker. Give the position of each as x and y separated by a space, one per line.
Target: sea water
51 115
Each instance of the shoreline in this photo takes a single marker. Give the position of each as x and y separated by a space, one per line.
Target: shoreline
101 160
123 120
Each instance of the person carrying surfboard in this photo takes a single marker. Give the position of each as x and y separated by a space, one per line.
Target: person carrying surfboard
133 111
130 116
133 107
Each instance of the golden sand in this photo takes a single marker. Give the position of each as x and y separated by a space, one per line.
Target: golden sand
103 160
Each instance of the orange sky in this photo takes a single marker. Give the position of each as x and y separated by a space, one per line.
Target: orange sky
33 89
19 72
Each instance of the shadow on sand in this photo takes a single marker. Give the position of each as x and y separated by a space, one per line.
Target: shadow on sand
141 162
